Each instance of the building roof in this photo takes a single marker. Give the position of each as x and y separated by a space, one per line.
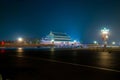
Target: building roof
58 34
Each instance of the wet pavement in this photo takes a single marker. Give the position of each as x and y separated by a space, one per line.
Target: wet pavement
52 64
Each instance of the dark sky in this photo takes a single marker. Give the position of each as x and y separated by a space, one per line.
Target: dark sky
81 19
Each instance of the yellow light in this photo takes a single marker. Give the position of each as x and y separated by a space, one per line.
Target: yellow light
105 31
19 48
20 52
107 36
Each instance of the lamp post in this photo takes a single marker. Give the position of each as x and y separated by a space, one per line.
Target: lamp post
105 36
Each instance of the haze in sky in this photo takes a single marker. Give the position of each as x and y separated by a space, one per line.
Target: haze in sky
81 19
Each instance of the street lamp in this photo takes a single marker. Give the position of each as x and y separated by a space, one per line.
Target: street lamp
113 43
52 41
20 39
95 42
74 41
105 35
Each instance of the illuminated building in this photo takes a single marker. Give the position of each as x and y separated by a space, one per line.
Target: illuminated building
58 38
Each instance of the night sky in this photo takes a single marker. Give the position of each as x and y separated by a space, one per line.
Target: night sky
81 19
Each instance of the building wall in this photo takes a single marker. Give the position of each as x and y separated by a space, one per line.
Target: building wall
59 39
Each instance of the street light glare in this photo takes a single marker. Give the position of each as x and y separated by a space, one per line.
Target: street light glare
105 35
20 39
52 40
113 43
74 41
95 42
105 31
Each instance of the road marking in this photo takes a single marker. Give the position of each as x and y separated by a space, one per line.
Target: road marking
56 61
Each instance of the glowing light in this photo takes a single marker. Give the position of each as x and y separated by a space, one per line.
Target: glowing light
105 31
113 43
95 42
20 39
106 36
19 48
75 41
52 40
20 52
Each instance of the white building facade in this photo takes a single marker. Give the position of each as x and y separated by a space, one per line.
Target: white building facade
59 39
